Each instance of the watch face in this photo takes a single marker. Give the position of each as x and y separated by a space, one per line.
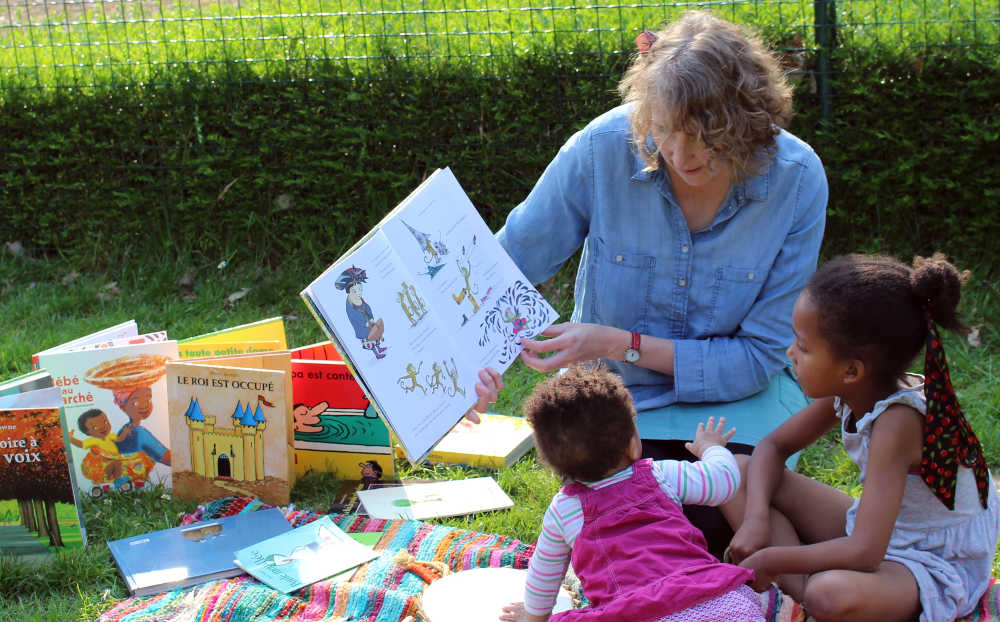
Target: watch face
631 355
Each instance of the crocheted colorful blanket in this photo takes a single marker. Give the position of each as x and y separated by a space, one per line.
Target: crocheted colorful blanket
413 553
386 589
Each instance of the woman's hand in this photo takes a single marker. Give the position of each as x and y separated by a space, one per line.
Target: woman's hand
752 536
709 435
488 389
573 342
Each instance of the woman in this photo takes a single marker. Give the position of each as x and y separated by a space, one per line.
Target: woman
700 221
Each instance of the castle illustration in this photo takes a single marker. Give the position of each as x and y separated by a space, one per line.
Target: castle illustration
236 452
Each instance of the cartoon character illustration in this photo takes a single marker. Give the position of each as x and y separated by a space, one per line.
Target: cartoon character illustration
469 291
366 327
371 472
413 306
520 308
411 375
306 418
453 374
104 462
137 404
435 380
433 251
517 323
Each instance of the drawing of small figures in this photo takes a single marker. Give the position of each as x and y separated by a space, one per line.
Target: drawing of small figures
411 304
467 292
435 380
411 375
366 327
453 374
432 250
517 323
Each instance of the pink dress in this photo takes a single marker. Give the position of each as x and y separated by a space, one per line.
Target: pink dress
639 558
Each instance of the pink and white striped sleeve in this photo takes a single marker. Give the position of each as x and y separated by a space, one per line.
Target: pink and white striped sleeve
551 558
713 480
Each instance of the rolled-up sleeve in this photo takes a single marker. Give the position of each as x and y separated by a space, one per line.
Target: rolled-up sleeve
732 367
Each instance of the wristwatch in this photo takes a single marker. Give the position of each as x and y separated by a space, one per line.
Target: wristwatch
632 352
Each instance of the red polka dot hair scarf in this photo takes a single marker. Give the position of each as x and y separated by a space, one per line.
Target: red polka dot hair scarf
949 441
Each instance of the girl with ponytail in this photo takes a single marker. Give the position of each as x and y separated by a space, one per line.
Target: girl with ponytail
919 541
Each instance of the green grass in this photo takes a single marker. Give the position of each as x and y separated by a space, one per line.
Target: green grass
44 302
114 43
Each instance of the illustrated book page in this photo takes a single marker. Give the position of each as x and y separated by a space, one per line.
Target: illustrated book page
427 300
303 555
435 499
336 427
39 503
230 427
115 404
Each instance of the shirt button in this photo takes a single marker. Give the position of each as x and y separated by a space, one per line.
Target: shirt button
682 282
751 276
619 258
684 248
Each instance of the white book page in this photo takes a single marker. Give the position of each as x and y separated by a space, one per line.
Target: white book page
434 499
40 398
482 299
419 380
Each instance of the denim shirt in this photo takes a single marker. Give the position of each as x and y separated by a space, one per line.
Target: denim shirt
723 294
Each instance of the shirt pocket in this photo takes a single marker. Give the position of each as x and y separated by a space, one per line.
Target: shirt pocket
621 284
734 293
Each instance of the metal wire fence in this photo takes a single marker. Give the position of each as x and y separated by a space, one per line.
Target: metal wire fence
97 43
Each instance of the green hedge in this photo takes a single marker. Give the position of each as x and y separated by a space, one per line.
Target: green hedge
212 168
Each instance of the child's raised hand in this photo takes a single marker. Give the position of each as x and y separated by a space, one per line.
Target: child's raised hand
708 435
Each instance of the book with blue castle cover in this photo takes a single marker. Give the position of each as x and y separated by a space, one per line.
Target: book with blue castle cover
230 427
187 555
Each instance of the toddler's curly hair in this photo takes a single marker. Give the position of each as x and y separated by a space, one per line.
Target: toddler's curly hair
583 422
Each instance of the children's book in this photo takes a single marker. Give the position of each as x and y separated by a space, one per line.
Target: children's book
31 381
125 329
336 427
496 442
271 329
115 404
420 305
434 499
231 427
303 555
39 507
322 351
192 350
182 556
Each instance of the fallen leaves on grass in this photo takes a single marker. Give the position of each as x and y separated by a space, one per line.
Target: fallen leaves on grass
109 291
237 295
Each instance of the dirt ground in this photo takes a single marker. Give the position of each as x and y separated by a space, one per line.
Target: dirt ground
191 486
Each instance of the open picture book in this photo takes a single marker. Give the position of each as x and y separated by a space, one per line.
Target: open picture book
420 305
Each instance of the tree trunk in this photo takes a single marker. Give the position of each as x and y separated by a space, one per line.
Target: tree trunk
27 510
40 522
55 537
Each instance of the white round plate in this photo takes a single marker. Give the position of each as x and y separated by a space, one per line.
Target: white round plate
478 595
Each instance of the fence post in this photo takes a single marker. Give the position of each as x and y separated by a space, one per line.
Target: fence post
826 38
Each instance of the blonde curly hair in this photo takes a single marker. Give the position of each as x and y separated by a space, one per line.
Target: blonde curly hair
717 82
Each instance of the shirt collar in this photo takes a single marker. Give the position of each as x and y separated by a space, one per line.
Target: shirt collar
753 189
